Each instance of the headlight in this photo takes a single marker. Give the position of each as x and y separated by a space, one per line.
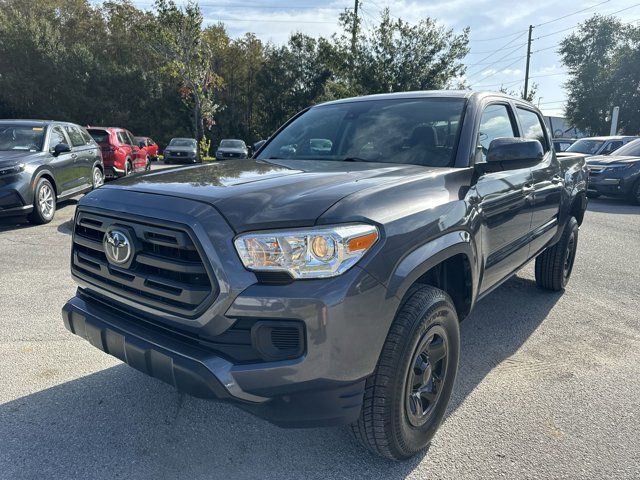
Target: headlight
12 170
307 253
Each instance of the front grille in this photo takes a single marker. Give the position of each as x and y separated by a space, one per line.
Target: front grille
167 272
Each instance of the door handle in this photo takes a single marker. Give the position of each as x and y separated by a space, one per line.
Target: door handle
74 155
556 179
527 188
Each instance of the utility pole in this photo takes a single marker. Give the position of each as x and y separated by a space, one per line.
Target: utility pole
354 29
526 73
614 121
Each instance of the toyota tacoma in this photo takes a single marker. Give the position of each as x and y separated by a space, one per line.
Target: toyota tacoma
322 282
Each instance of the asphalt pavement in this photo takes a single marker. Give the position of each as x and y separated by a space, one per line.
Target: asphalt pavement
548 387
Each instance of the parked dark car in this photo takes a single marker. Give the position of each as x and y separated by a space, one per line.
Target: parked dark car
616 175
149 146
43 162
182 150
599 145
230 148
322 283
561 144
120 152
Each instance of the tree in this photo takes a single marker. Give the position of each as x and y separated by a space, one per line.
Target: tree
178 37
603 59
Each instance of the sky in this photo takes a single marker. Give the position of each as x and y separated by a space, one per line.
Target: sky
498 37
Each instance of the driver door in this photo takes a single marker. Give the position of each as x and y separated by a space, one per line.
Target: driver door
503 201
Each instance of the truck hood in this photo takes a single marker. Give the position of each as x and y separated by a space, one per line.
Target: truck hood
611 159
255 194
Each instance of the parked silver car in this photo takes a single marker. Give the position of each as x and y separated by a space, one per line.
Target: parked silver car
599 145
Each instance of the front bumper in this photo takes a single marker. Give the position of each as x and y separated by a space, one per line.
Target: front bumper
13 193
180 158
613 184
204 374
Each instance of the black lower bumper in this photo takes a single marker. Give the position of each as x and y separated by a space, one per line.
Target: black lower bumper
202 373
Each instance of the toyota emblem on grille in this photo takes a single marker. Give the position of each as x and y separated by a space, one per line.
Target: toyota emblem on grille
117 246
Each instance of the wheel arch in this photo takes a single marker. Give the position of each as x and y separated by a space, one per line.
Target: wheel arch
44 173
448 262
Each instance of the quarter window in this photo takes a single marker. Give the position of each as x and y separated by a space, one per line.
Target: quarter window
495 123
532 127
56 137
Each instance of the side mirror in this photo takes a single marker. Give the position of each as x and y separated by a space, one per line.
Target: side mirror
511 153
61 148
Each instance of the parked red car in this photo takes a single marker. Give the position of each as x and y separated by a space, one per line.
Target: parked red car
149 146
120 152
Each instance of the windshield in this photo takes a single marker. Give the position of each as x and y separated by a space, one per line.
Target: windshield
586 146
419 131
631 149
232 144
21 137
182 142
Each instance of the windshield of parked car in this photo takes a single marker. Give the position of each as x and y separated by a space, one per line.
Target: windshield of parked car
21 137
631 149
419 131
590 147
182 142
232 144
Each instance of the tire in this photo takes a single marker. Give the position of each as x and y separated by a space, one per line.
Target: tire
147 165
44 203
97 178
127 168
555 264
634 195
396 420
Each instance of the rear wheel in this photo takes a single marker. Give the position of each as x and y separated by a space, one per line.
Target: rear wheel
97 178
407 396
44 203
555 264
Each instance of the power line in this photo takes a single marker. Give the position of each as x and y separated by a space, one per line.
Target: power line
499 71
571 14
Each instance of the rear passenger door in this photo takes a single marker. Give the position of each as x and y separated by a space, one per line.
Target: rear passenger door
503 199
547 181
83 155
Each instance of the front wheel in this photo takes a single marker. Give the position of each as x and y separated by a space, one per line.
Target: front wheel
635 193
147 164
127 169
555 264
44 203
407 396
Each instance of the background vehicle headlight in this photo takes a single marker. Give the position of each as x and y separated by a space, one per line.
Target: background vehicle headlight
307 253
12 170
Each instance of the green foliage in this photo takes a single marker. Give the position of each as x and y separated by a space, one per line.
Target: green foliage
603 59
164 74
204 146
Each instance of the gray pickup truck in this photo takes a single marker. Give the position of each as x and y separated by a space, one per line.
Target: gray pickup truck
322 282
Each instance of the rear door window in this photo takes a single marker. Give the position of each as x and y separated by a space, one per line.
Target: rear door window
75 136
124 138
532 127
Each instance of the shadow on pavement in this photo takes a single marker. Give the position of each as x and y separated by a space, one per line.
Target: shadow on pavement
612 205
20 222
120 423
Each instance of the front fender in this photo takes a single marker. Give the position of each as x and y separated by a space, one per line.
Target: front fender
427 256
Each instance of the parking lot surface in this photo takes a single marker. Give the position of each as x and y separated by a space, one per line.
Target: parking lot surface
549 384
